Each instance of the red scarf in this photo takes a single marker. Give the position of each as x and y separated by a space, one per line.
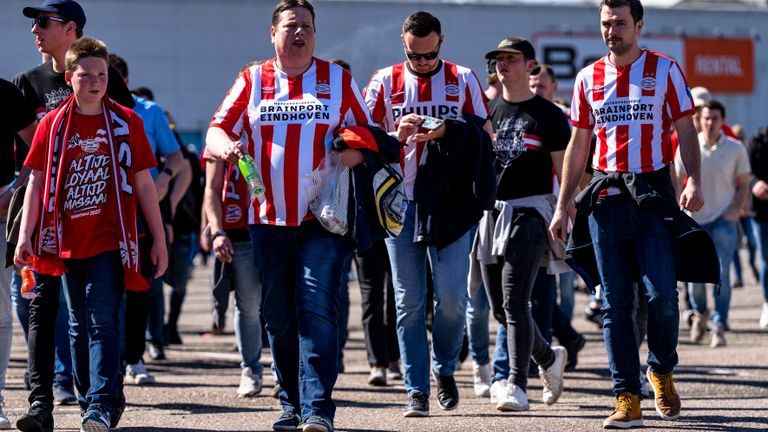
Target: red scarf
49 233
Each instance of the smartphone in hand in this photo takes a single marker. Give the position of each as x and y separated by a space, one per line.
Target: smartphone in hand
430 123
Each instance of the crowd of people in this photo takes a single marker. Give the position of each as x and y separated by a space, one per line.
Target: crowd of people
634 183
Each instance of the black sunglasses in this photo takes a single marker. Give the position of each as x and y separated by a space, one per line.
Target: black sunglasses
43 21
426 56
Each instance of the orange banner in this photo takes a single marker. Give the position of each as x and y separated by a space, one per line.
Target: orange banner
722 65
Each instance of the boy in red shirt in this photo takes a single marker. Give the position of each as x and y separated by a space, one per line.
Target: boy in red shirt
90 159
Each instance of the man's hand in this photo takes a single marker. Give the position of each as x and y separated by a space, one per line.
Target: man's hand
558 229
234 151
159 255
760 190
408 126
432 134
350 158
223 249
691 199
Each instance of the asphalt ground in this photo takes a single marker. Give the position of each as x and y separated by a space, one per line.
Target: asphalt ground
723 389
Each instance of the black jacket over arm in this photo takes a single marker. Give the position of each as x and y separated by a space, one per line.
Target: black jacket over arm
455 183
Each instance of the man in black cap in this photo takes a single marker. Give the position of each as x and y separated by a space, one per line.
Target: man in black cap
530 136
56 24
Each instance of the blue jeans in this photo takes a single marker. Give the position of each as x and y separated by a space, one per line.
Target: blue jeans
629 240
543 302
477 327
180 269
760 229
156 312
301 295
247 286
565 283
94 292
501 355
724 233
450 266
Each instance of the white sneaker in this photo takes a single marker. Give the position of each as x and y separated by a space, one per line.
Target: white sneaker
137 374
764 317
482 379
498 391
4 422
514 400
250 385
552 378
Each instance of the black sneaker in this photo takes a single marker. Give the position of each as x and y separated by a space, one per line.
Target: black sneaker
418 406
39 418
447 392
573 347
63 395
287 421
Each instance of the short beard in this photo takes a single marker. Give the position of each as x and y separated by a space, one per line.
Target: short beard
619 49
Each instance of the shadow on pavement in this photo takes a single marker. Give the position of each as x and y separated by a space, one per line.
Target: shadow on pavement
193 408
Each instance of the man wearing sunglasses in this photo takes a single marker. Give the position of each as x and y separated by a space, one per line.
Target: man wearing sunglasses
56 24
399 96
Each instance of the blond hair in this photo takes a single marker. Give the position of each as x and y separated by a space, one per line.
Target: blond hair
82 48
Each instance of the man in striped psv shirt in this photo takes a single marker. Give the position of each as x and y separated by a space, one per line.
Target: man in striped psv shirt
399 95
289 109
629 99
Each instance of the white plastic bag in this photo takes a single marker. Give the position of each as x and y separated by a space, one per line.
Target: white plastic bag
327 188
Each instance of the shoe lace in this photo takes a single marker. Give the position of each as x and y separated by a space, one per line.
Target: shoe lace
623 403
666 385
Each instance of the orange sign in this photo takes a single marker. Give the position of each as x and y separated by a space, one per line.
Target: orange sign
722 65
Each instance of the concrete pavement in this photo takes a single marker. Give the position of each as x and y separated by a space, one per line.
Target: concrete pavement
722 389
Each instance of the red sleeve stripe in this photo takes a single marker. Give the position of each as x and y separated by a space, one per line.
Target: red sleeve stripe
583 113
228 117
398 84
379 110
352 101
674 103
452 78
480 96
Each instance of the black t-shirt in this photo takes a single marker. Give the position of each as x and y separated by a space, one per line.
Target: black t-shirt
44 89
525 134
15 115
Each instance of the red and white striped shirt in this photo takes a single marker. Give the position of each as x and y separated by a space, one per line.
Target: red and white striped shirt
631 110
289 124
395 92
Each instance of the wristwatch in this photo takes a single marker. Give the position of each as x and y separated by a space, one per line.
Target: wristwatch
218 233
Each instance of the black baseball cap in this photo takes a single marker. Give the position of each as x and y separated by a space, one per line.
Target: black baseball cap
68 9
513 45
